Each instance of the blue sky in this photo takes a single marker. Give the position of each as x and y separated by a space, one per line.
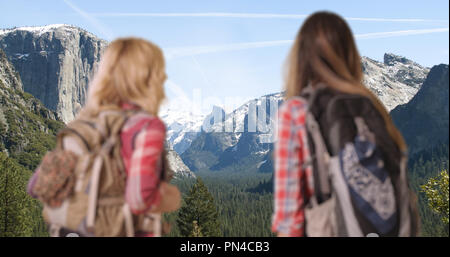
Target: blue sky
229 68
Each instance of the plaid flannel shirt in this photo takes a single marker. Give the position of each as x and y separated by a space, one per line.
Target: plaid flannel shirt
293 181
142 160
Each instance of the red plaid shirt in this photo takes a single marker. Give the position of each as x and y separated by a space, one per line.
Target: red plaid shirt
293 183
142 140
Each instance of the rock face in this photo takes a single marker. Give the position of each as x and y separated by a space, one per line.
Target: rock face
8 75
55 63
424 121
27 128
177 165
13 95
395 81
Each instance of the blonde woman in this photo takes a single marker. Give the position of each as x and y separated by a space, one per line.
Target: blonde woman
130 76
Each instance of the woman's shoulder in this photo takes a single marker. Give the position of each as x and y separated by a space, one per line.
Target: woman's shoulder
293 106
143 120
295 102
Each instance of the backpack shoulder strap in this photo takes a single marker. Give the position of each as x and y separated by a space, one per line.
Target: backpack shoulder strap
82 131
320 154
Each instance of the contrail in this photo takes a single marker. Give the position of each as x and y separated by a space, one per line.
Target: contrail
249 16
108 34
206 80
188 51
400 33
196 50
177 91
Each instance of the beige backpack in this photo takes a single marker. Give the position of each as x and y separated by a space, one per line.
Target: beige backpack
95 205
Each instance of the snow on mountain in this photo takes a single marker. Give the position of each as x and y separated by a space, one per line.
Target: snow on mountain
36 29
266 105
182 127
241 137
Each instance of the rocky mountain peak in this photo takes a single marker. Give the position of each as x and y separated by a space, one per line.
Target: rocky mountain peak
391 59
55 63
395 81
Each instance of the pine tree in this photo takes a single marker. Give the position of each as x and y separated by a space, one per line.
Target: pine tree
199 207
20 215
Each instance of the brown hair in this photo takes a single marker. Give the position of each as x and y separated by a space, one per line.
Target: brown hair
325 51
131 70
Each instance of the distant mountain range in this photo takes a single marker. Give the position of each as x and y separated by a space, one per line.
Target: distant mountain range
55 63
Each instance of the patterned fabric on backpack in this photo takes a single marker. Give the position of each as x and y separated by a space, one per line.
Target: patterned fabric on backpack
56 179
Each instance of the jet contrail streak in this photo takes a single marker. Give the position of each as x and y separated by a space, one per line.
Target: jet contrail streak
399 33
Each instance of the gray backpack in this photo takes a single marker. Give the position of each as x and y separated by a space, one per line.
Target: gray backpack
360 175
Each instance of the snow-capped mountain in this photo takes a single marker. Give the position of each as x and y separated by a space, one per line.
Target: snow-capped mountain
182 127
39 30
241 138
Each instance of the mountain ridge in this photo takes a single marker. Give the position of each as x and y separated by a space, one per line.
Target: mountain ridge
424 121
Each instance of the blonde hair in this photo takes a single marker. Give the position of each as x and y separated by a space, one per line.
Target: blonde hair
325 51
131 70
